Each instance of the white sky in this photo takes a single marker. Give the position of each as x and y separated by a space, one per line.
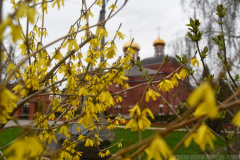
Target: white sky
141 16
144 17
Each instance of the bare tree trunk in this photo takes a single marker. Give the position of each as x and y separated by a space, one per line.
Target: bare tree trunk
102 18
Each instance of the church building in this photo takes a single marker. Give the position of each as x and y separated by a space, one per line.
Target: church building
136 80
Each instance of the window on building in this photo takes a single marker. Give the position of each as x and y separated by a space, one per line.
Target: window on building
130 107
125 94
161 112
25 111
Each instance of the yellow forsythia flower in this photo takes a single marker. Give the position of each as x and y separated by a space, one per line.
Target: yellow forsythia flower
130 51
183 73
52 116
135 110
203 98
120 35
58 56
143 122
16 32
112 7
4 57
119 99
90 13
71 43
4 25
110 126
195 61
23 93
101 32
58 3
123 120
26 10
236 119
174 79
166 85
95 42
10 67
119 145
126 86
17 87
132 124
82 91
89 142
81 137
158 149
63 130
107 153
7 104
99 2
101 154
27 148
139 119
147 111
45 33
52 137
188 141
110 51
202 137
152 94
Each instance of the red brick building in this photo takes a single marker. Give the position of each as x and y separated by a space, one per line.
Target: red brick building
34 105
29 108
131 97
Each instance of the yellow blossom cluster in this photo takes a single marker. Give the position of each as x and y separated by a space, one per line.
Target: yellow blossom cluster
203 99
139 118
22 147
7 104
87 74
236 119
152 94
167 84
70 152
87 79
194 61
158 149
202 137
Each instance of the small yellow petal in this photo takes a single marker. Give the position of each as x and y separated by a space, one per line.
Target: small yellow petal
236 119
194 61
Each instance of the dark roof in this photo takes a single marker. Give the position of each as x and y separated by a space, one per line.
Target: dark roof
156 60
134 71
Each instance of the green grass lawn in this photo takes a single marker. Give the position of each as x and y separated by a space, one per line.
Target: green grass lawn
172 139
130 138
8 135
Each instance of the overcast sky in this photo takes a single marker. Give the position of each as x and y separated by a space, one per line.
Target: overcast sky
144 17
141 16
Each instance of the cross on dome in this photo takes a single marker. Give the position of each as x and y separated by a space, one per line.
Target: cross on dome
158 29
130 31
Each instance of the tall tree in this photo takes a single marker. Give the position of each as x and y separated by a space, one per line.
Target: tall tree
203 10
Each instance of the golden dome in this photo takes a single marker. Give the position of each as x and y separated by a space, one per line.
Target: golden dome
159 41
133 44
